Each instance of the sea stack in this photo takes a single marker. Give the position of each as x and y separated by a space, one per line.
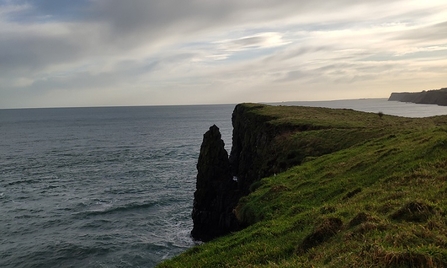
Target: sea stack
216 192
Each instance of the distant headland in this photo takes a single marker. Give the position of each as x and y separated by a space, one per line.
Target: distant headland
437 96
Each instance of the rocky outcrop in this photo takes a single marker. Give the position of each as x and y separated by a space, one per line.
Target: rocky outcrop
438 97
216 192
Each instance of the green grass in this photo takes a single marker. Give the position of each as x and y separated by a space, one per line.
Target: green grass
379 200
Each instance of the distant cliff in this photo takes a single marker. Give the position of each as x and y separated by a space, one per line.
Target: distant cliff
438 97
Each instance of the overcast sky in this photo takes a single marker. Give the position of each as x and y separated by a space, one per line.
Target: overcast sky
57 53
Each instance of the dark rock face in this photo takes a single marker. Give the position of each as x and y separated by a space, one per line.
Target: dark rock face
252 139
255 153
216 192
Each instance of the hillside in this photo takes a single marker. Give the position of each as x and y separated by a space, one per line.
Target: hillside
343 189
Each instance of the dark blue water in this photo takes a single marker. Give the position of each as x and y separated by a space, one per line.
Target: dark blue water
112 187
100 187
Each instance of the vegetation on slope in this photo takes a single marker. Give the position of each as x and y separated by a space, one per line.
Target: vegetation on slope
380 202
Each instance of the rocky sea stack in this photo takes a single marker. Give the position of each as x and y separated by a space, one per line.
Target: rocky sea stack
216 191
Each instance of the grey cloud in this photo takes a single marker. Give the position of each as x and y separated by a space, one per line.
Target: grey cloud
296 52
123 72
349 79
48 10
292 76
129 69
434 32
27 54
357 67
126 25
77 81
83 80
249 41
341 72
245 43
153 19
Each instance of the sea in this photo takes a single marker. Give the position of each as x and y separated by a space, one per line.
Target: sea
113 186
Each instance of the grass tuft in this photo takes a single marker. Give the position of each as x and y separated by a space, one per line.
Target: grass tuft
359 219
322 233
414 211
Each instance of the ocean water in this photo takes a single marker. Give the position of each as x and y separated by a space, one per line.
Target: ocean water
112 187
100 187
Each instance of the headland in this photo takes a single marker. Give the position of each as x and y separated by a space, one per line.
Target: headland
437 96
314 187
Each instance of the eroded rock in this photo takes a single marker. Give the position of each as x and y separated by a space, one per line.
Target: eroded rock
216 192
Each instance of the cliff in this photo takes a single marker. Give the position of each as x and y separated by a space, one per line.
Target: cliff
330 188
438 97
267 140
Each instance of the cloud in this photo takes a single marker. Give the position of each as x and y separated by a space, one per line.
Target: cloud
205 51
258 41
25 52
426 33
41 11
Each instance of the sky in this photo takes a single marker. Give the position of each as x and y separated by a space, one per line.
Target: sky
62 53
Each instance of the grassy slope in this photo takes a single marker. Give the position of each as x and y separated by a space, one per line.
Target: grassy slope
379 203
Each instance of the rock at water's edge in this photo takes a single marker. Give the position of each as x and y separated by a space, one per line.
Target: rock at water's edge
216 192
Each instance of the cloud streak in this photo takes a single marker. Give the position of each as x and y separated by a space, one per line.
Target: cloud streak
112 52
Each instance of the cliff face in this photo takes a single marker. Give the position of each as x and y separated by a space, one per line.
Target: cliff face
255 152
438 97
251 139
